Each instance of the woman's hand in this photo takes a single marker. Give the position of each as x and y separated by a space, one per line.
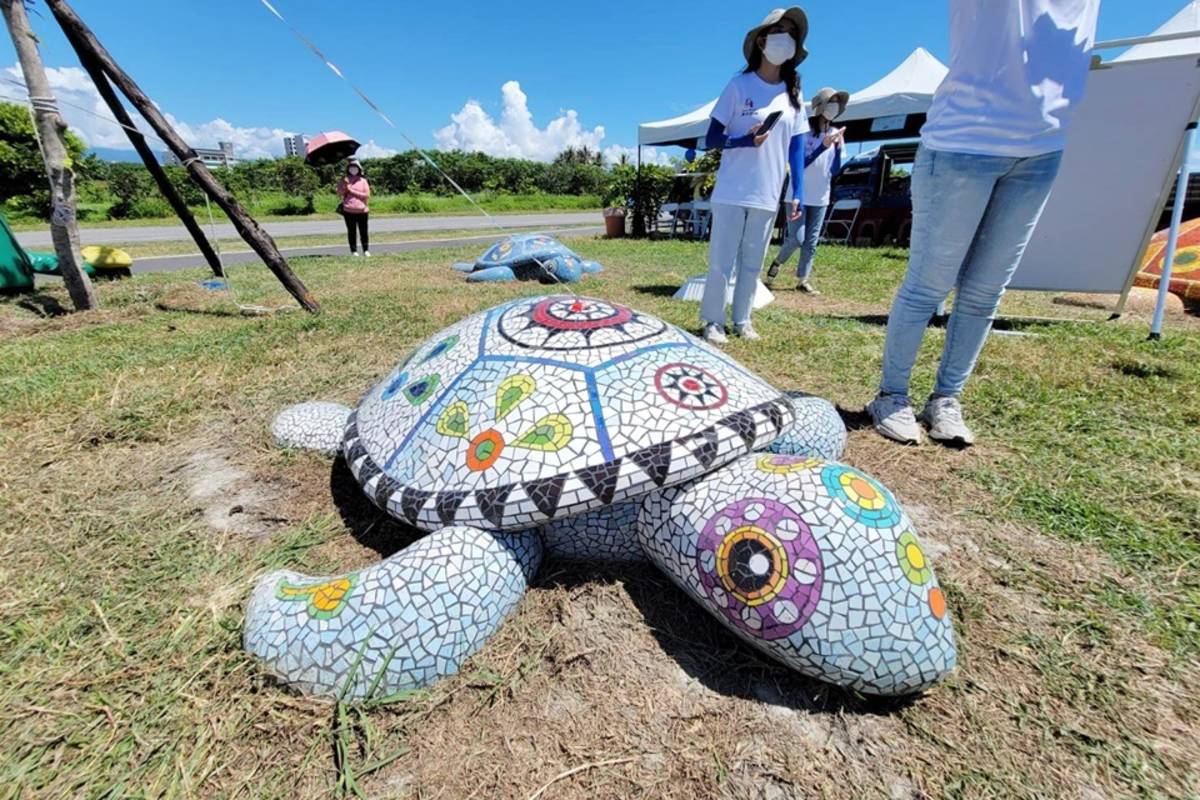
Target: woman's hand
759 139
797 211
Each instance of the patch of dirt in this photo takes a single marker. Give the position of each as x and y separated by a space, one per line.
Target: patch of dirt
228 497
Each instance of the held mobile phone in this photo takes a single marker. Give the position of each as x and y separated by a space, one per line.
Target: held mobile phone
768 123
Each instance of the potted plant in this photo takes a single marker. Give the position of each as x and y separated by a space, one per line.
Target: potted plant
617 192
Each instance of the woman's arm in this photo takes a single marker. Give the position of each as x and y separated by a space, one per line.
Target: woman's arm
341 189
837 161
796 162
716 139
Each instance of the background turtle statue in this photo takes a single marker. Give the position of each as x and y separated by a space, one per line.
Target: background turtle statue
529 257
585 429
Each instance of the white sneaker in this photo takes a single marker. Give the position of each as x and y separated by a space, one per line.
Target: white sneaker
366 253
747 332
715 333
944 417
354 253
893 418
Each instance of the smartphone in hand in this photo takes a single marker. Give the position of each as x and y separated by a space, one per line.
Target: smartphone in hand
768 123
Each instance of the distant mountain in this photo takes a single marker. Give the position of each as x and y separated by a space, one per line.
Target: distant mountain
113 154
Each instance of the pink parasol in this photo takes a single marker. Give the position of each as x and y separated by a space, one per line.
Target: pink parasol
329 148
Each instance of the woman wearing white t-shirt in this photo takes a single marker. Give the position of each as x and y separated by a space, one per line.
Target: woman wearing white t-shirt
822 163
989 153
754 164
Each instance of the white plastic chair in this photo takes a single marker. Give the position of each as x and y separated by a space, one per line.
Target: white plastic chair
841 218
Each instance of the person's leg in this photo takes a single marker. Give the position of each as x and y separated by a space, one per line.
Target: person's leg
814 216
350 233
728 223
751 252
1007 225
791 243
362 233
950 192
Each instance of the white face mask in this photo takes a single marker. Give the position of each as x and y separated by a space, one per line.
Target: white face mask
779 48
353 170
831 112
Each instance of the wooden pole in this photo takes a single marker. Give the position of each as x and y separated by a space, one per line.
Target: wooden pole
51 129
256 237
148 158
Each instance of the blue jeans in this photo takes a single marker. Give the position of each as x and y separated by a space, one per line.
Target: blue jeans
803 233
972 218
736 247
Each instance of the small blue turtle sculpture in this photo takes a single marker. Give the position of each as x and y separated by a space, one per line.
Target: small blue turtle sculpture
529 257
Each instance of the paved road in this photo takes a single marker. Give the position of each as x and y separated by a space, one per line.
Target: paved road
116 236
173 263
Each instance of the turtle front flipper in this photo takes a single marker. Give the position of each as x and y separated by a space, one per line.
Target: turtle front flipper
400 624
813 563
590 267
314 425
491 274
463 266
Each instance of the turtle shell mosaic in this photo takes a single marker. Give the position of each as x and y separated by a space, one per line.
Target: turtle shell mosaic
547 407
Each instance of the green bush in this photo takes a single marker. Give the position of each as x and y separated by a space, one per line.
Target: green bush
150 208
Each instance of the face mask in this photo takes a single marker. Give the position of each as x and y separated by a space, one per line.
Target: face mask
779 48
831 112
353 170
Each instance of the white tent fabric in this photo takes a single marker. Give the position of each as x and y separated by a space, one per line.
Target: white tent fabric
689 126
907 89
1188 19
693 290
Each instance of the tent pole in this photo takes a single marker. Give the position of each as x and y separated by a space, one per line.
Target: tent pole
639 220
1164 280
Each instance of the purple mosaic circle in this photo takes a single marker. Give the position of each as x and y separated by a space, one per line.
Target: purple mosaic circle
760 565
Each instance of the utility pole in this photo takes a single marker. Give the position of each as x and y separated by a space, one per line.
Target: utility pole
50 129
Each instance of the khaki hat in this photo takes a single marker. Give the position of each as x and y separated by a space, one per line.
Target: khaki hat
799 19
826 96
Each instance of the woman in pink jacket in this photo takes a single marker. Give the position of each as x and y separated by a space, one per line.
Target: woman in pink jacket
355 191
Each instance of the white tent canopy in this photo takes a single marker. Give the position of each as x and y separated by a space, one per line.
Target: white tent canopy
907 89
1188 19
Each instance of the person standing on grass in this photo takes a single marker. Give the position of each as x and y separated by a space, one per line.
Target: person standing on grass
989 154
355 191
822 163
753 166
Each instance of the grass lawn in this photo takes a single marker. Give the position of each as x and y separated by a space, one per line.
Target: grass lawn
142 494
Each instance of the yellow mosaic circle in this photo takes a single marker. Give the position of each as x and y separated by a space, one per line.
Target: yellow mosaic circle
861 491
786 465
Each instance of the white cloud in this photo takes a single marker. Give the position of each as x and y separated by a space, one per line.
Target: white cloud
650 155
88 115
373 150
515 134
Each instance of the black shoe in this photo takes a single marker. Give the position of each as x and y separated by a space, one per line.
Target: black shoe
772 272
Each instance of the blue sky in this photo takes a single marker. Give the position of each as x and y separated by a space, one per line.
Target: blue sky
228 67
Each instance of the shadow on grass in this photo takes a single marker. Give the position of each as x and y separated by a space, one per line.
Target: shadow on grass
370 526
44 305
657 290
707 651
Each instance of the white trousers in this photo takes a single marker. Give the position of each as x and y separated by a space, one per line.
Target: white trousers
737 247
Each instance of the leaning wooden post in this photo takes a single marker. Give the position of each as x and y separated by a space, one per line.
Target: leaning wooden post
256 237
50 128
143 149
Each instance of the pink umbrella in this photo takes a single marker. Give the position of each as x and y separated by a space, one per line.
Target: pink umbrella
329 148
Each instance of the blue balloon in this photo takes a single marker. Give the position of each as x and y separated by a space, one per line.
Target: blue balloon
690 155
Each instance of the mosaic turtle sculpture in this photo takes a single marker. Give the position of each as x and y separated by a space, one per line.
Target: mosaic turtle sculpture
580 428
529 257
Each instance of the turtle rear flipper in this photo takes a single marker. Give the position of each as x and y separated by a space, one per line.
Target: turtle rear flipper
400 624
491 274
315 425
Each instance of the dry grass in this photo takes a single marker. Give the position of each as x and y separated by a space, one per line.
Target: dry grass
141 495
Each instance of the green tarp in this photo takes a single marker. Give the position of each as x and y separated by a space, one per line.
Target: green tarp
16 273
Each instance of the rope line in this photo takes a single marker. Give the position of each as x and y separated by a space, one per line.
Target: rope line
316 51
